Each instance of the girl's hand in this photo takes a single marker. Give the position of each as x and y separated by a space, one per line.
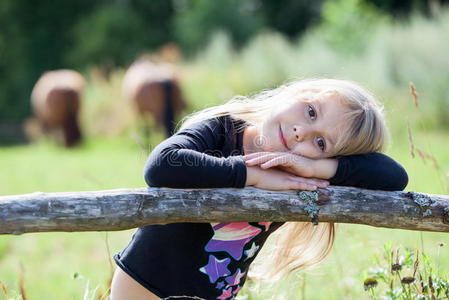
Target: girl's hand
272 179
295 164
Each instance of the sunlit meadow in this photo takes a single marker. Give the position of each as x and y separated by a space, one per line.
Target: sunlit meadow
386 59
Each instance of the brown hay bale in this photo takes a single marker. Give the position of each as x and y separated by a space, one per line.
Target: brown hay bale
56 100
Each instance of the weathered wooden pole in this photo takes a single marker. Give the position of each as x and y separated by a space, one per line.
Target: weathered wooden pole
129 208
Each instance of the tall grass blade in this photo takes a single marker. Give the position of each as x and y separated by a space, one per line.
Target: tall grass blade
4 290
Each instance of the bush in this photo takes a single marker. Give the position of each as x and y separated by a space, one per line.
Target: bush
110 36
408 276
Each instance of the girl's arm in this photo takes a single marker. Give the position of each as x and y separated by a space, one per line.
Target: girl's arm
375 171
371 171
273 179
190 159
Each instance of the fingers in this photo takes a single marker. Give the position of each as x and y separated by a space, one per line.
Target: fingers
272 179
263 158
317 182
289 185
310 183
301 185
270 159
277 161
260 154
304 186
255 154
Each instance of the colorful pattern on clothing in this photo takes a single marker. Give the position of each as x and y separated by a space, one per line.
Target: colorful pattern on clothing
231 238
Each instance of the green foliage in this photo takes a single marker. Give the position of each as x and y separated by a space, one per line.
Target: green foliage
416 51
104 112
196 20
410 276
291 17
157 18
36 36
33 37
347 25
110 36
402 7
395 53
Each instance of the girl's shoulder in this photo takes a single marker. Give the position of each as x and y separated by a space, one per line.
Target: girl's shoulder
222 124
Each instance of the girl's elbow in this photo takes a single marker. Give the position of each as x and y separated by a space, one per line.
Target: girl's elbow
158 168
399 180
402 179
153 175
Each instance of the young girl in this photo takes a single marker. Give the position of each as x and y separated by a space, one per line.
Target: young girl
303 136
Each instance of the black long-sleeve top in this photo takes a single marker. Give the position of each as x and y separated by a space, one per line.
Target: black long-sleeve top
211 260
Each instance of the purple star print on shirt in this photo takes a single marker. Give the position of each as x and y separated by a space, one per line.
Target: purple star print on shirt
236 291
231 237
220 285
251 251
226 294
216 268
235 278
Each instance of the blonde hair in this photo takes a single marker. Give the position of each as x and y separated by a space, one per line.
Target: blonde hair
300 244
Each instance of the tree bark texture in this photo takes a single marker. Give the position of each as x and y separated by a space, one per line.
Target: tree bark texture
129 208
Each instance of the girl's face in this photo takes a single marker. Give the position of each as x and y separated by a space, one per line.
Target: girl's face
304 127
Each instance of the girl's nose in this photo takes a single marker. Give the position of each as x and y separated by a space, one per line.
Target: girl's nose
299 133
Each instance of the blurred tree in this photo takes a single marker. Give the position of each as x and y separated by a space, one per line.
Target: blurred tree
33 38
402 8
395 7
347 24
110 36
36 36
157 17
114 34
195 20
12 62
291 17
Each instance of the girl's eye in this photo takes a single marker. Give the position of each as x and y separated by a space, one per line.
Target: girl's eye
312 113
321 143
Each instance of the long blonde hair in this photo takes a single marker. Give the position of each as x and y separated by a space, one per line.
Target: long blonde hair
300 244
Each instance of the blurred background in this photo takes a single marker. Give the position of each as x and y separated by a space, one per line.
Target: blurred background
89 124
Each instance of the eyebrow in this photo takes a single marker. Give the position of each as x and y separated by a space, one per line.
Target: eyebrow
327 137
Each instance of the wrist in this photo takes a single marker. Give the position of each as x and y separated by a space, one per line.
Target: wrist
252 175
325 168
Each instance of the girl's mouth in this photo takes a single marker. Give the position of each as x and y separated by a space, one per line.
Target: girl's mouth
281 136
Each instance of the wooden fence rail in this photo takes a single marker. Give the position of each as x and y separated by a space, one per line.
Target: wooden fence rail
128 208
